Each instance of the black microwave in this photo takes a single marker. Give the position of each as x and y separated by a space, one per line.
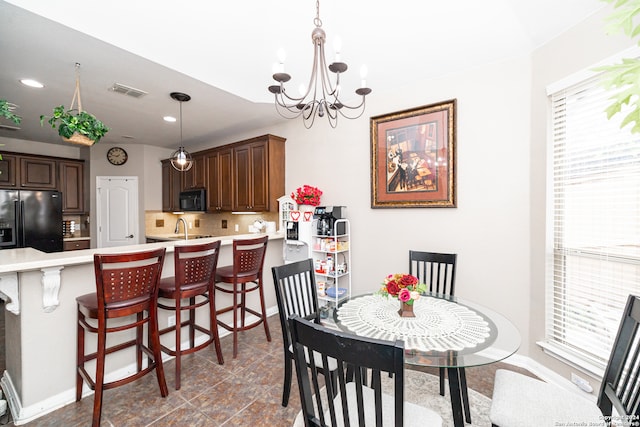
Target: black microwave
193 200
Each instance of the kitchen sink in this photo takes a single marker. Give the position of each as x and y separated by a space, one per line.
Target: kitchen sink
200 236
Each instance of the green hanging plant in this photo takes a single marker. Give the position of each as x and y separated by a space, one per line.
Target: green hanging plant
70 122
625 76
75 125
6 111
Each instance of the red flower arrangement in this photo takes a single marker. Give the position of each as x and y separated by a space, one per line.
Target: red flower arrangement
404 287
307 195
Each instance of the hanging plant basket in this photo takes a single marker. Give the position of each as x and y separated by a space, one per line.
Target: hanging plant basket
76 126
80 139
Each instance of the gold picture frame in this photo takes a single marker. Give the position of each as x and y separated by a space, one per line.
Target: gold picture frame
413 157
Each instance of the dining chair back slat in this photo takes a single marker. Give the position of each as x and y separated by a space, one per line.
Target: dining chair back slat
296 293
353 401
436 270
620 387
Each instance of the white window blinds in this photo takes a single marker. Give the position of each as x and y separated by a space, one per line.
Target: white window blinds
595 216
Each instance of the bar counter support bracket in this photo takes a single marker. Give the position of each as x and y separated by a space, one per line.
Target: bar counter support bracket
50 288
9 292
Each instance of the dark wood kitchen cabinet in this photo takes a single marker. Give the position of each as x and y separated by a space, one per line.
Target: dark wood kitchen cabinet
196 177
243 176
8 171
258 174
72 186
171 187
219 180
33 172
38 173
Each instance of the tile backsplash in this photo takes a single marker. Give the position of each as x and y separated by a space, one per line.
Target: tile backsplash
158 222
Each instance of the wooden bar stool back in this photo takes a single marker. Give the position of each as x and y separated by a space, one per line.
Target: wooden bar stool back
127 287
244 276
195 269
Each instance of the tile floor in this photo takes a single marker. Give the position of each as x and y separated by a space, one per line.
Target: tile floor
246 391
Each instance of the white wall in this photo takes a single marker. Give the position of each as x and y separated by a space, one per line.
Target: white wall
490 227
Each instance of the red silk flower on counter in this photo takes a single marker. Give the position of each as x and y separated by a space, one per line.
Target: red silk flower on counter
404 287
307 195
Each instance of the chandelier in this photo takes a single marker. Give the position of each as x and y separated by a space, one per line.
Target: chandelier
181 159
321 98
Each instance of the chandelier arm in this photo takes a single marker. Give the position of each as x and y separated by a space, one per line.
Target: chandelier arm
287 111
360 107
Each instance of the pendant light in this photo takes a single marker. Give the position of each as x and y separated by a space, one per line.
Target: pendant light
181 159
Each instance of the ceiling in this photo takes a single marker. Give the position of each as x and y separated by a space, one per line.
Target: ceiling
221 53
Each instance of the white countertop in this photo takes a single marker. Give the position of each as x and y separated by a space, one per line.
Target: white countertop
24 259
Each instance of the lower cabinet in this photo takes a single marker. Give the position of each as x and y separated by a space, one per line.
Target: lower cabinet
74 245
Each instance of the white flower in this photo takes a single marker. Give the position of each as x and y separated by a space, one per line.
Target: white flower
415 295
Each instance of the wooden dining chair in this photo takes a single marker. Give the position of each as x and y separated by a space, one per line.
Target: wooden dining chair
522 401
193 280
238 280
126 290
355 403
438 272
296 293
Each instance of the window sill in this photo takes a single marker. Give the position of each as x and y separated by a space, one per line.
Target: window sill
572 359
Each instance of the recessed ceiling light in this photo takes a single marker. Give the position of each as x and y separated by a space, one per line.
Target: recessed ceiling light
169 119
31 83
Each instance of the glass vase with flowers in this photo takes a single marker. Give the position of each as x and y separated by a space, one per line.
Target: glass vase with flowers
404 287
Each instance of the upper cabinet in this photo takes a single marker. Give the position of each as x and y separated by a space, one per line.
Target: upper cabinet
33 172
72 186
243 176
171 187
258 178
219 185
8 171
38 173
196 177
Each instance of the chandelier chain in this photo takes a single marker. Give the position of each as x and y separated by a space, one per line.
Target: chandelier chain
317 21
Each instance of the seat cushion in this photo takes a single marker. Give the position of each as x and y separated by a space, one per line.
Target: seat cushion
522 401
225 274
414 415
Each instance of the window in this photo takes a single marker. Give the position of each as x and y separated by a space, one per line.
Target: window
594 255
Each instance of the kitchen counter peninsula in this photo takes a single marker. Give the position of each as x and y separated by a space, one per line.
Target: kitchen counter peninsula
40 318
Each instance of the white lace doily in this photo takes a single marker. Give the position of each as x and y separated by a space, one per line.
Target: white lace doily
439 325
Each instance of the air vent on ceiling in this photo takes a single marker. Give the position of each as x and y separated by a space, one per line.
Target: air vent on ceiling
8 127
127 90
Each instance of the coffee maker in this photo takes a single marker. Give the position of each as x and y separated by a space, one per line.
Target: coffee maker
326 217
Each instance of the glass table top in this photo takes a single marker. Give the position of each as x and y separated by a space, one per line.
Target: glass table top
445 332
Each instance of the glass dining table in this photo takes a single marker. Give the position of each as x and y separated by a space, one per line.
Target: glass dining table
446 332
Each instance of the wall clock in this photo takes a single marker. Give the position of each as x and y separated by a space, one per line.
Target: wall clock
117 156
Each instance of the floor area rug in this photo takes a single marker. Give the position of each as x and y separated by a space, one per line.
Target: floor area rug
423 389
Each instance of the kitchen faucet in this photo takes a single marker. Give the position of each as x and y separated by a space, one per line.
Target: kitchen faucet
184 224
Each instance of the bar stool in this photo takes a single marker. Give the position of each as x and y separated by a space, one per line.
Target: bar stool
195 269
127 285
248 260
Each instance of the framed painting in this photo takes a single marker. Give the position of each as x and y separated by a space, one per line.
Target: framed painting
413 157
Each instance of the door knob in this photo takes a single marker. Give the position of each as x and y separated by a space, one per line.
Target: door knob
130 236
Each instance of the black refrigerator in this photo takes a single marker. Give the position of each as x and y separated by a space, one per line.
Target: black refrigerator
31 219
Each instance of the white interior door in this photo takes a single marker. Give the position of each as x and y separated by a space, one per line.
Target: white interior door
117 210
